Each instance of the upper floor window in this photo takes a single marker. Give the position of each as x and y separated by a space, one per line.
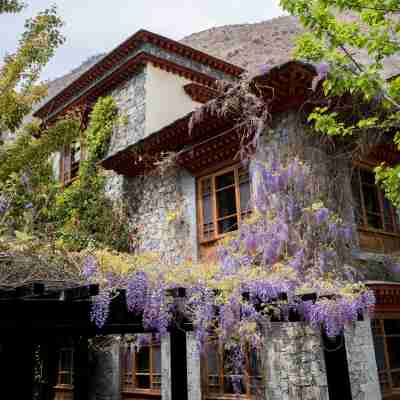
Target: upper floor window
387 352
141 370
373 210
71 157
221 381
223 201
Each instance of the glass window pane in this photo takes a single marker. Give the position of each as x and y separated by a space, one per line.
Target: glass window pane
387 212
227 225
367 176
396 379
392 326
234 384
226 202
379 352
212 359
143 381
371 199
384 382
257 386
156 350
206 186
143 360
207 208
156 381
393 346
225 180
374 221
355 184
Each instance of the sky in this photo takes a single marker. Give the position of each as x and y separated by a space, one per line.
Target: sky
97 26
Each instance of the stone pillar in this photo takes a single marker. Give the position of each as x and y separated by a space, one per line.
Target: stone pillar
166 367
193 367
105 379
294 363
188 189
361 362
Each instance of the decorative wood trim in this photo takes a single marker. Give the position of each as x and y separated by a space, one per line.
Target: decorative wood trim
98 71
200 93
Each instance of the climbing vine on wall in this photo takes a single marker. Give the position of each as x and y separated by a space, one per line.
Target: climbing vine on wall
32 200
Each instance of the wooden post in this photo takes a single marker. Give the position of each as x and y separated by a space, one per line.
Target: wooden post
179 387
337 369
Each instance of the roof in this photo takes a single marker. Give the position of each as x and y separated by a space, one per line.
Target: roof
283 87
123 60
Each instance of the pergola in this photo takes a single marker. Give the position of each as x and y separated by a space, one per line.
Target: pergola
36 315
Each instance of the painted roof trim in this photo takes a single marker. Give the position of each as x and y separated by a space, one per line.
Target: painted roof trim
121 55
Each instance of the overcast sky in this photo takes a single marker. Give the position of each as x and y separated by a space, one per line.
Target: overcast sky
95 26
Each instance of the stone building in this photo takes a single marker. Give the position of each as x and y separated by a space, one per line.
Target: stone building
158 83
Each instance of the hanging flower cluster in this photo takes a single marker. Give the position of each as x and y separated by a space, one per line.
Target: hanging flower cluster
287 261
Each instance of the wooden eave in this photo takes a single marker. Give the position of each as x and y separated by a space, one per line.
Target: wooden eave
176 137
213 139
104 74
200 93
387 295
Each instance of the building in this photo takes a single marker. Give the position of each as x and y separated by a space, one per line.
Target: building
158 83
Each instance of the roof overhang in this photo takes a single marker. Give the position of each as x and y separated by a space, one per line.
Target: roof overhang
120 63
214 138
387 296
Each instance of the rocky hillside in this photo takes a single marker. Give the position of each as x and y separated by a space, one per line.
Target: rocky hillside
250 45
247 45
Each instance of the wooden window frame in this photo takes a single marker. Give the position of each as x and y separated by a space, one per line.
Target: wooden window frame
378 329
62 372
129 377
240 214
363 212
66 166
208 395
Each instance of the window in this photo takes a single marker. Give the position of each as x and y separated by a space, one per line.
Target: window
141 370
218 376
65 370
223 200
373 210
70 160
387 352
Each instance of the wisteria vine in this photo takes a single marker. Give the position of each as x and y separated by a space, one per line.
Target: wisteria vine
287 260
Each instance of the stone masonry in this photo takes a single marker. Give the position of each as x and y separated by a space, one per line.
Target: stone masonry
361 362
294 363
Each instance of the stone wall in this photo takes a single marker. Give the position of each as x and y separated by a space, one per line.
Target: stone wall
162 212
105 377
130 97
294 363
361 362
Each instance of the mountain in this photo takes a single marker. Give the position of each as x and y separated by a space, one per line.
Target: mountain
250 45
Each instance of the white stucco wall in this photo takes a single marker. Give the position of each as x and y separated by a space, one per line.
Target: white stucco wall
166 100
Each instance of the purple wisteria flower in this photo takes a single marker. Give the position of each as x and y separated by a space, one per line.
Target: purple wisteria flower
90 267
321 215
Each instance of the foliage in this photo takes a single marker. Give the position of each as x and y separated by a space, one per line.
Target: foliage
291 244
20 72
354 42
33 202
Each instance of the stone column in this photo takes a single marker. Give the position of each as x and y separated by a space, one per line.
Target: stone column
361 362
166 367
105 379
294 363
193 367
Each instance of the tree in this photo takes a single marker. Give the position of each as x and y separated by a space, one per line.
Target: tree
20 72
354 41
